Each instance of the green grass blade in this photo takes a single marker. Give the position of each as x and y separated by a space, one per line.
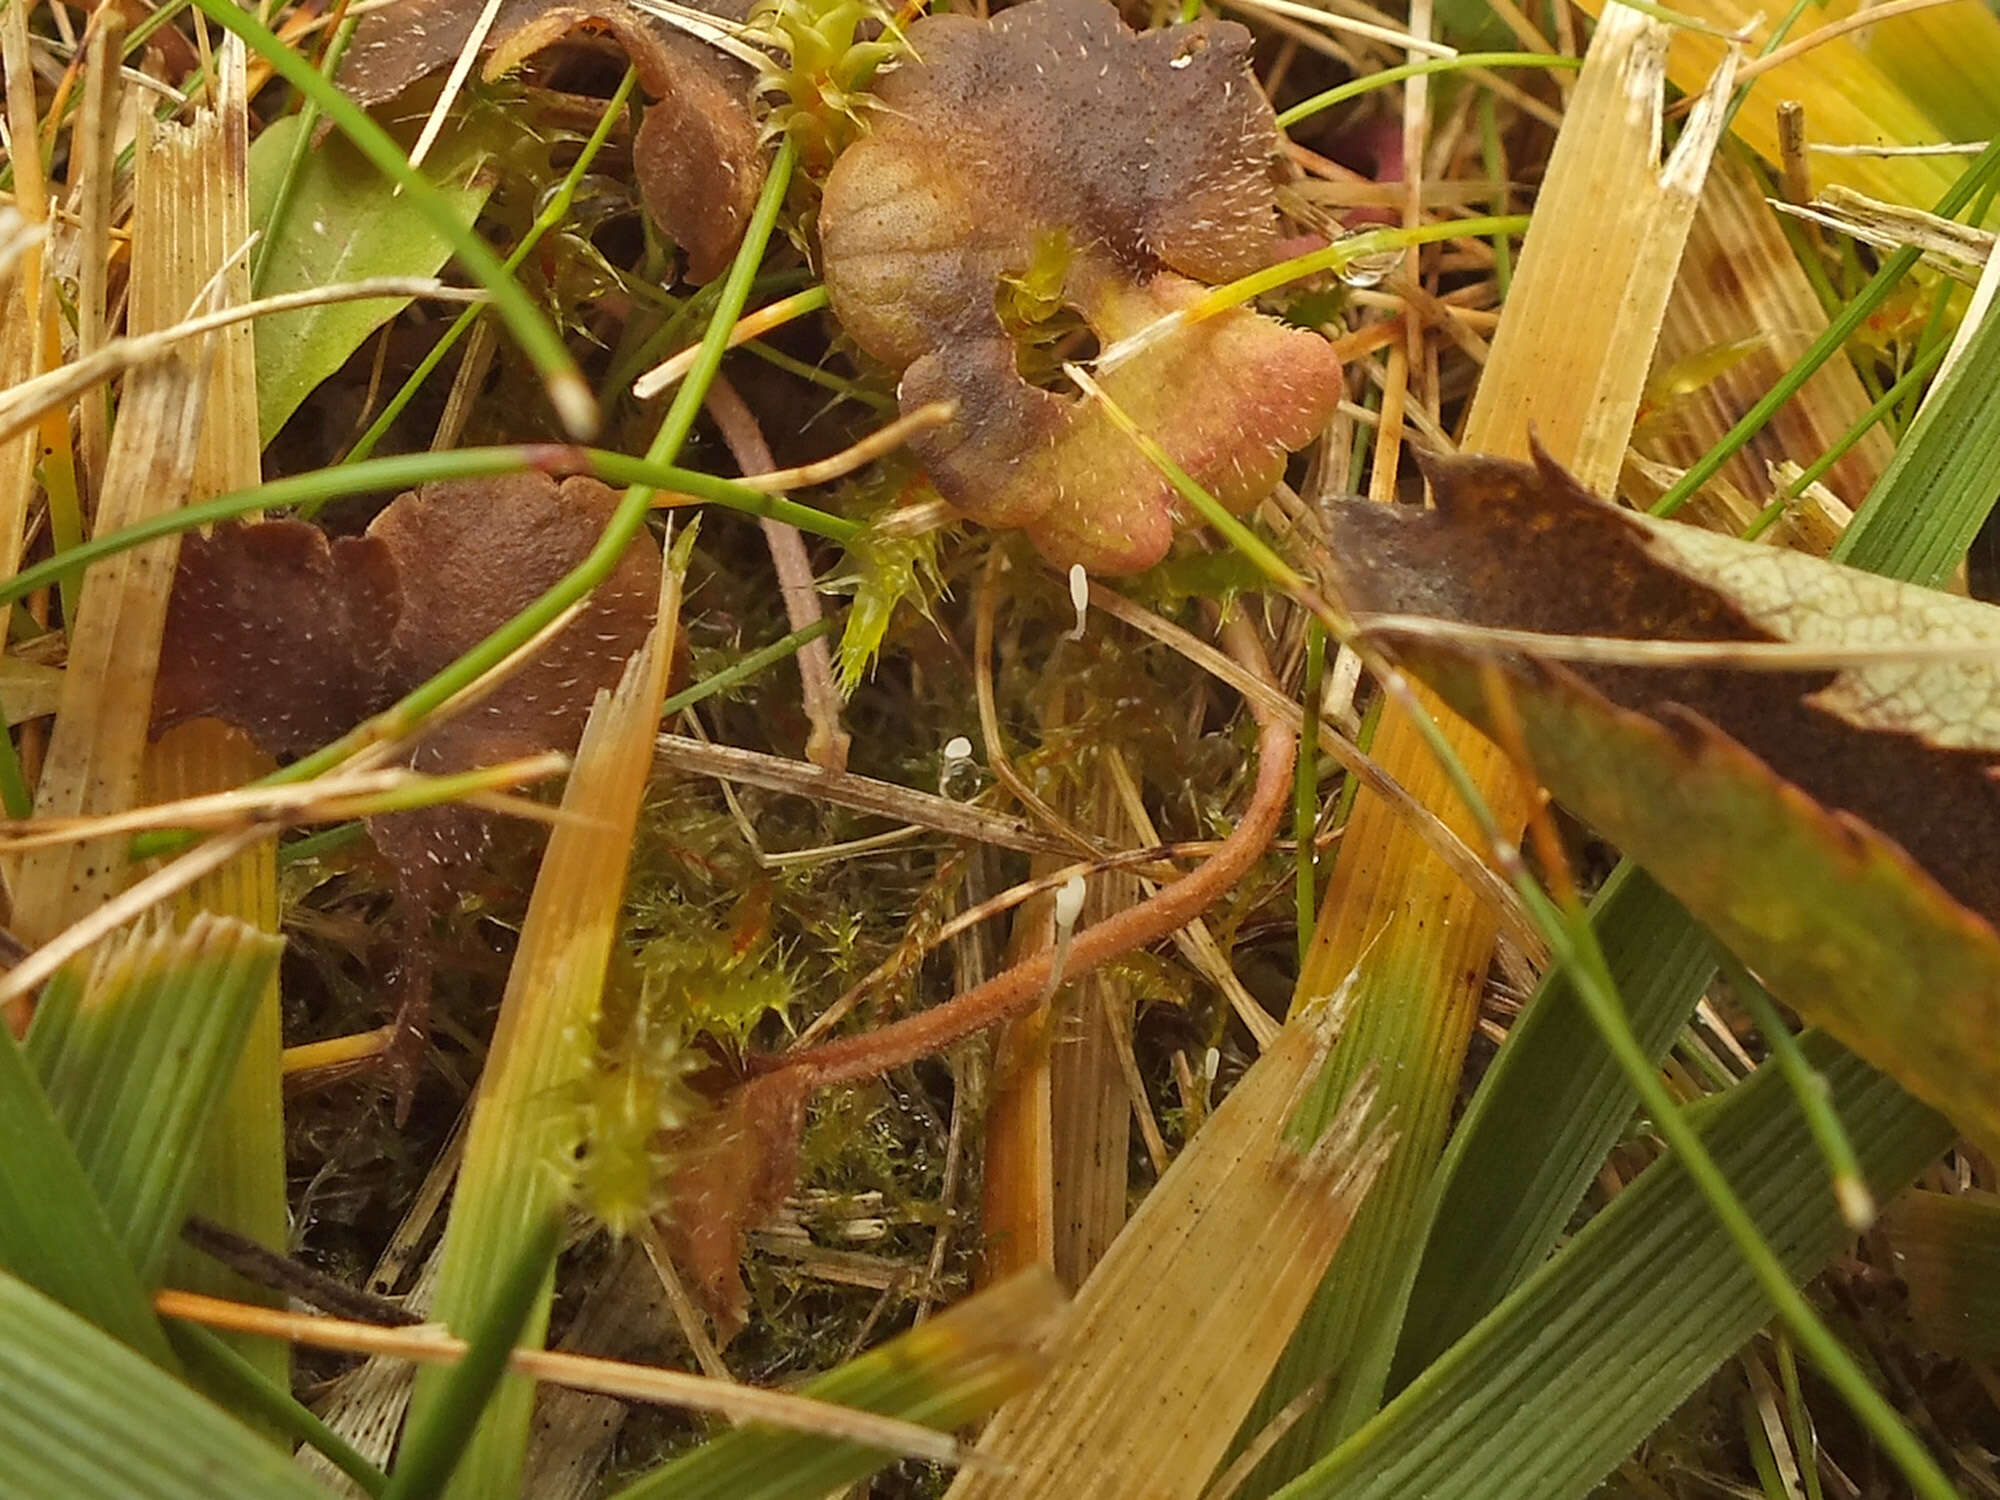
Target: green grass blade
1857 1205
1368 82
136 1055
943 1373
232 1375
441 1430
528 1124
82 1417
1932 499
1567 1375
1547 1111
408 470
1839 329
552 214
1512 1183
284 190
744 668
54 1234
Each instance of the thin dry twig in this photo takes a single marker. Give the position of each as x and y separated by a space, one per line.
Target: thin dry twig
629 1382
1372 31
1833 30
1427 825
1742 656
828 742
328 799
751 325
776 773
23 403
883 440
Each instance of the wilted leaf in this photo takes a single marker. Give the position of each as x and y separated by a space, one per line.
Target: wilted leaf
1835 828
280 631
347 224
696 157
732 1169
1946 1249
474 554
1054 154
294 639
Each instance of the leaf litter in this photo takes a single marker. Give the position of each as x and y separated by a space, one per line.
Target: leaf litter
981 224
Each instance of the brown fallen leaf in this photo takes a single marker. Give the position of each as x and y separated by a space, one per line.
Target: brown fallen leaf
697 158
279 630
295 639
474 554
730 1172
1834 827
1054 151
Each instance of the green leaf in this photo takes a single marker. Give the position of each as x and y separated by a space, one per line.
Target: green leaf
137 1052
1545 1115
943 1373
54 1234
441 1429
1566 1376
82 1417
1527 1144
346 222
238 1380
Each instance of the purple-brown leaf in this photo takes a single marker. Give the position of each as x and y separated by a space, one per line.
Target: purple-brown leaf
280 632
1833 824
1052 141
295 640
732 1169
696 158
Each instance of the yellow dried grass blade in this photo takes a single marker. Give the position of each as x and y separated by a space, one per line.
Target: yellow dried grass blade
17 453
20 348
1569 361
99 740
93 174
1178 1326
1017 1208
1057 1147
1945 60
1740 280
240 1180
1090 1109
528 1116
1847 100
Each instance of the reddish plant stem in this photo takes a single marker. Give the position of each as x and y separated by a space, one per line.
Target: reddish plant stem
1018 989
828 743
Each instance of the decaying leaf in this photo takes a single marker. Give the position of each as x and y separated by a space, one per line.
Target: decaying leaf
697 158
474 554
280 630
1054 155
1834 827
295 639
731 1171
